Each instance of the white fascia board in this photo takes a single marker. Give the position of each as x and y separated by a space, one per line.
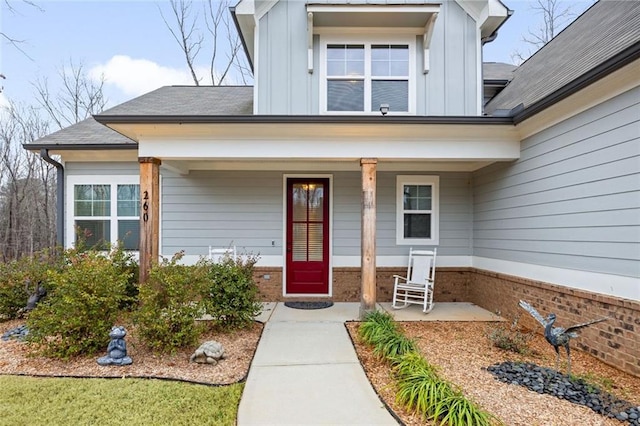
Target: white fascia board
246 16
338 149
612 285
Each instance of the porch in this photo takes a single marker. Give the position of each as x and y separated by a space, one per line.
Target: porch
350 311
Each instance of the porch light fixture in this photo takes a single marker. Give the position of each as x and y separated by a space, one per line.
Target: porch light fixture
384 109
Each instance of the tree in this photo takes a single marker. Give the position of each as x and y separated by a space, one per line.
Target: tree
27 216
16 43
226 61
79 96
27 182
555 16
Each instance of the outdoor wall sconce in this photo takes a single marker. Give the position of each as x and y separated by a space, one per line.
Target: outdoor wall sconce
384 109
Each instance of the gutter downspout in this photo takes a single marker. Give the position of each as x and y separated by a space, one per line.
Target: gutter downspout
44 153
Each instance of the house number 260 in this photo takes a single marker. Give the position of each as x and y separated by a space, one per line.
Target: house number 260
145 207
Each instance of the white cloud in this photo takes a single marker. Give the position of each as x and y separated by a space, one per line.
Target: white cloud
135 77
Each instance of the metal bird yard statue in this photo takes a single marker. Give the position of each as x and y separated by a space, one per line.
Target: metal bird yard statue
558 336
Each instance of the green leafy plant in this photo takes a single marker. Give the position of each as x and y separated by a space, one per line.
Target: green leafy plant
81 306
230 294
166 318
376 326
418 385
20 278
456 410
510 337
392 345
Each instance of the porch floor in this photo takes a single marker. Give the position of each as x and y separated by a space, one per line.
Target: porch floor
349 311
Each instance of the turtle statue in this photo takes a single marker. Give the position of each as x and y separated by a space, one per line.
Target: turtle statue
208 353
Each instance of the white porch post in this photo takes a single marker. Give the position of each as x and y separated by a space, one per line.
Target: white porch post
368 238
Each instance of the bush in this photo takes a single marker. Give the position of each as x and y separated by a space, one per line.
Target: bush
82 305
230 295
125 262
20 278
510 338
169 307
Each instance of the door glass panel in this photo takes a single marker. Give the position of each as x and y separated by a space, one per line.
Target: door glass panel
299 202
299 250
316 202
315 242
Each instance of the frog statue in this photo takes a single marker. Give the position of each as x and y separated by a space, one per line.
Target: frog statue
117 349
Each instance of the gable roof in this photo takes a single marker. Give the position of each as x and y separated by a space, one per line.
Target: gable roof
602 40
191 100
87 133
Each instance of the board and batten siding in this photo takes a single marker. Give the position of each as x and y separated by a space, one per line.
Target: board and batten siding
284 85
572 200
245 209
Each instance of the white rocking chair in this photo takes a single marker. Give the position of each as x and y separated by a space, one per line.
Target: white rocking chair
417 287
218 254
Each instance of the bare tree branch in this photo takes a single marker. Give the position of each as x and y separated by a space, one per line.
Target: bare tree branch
555 15
185 35
226 61
79 96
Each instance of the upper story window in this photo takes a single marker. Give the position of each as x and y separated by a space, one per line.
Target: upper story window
359 77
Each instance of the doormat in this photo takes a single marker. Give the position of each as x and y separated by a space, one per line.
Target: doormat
308 305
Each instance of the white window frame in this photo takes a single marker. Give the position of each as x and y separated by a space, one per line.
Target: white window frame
434 182
368 41
113 181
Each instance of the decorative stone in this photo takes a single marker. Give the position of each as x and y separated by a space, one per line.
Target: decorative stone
20 333
208 353
117 349
545 380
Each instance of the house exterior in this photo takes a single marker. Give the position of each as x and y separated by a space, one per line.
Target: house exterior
369 130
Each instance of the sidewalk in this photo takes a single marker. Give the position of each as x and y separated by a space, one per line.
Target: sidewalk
306 372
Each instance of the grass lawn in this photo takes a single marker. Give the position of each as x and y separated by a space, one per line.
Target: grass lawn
62 401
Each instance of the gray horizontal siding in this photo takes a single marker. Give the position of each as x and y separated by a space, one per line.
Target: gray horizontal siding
573 199
245 209
221 209
101 168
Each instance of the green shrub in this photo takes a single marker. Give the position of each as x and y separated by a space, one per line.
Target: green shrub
166 317
510 337
126 263
20 278
81 306
230 294
392 345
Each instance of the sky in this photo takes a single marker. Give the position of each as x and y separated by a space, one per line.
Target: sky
128 43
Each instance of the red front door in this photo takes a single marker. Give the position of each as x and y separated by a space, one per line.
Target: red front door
307 236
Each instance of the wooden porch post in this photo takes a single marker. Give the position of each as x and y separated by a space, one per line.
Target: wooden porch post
368 238
149 214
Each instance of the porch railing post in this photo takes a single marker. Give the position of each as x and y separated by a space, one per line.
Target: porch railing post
149 214
368 238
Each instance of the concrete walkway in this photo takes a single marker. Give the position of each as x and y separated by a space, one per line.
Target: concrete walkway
306 372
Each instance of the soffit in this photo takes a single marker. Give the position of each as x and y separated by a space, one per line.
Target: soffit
372 15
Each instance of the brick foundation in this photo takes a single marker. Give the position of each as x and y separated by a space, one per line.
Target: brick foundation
615 342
